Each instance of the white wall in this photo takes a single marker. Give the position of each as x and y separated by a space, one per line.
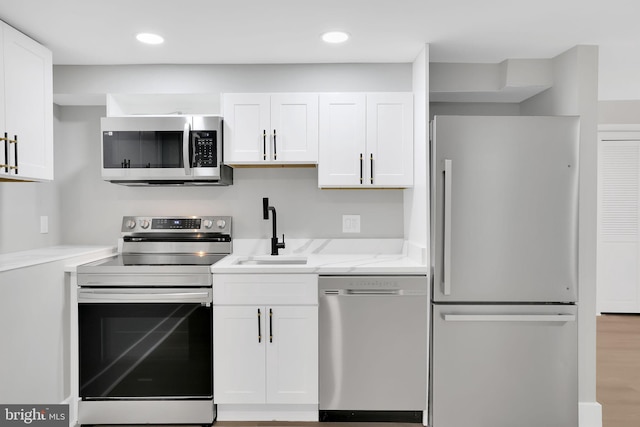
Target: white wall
416 201
82 85
575 92
619 112
474 109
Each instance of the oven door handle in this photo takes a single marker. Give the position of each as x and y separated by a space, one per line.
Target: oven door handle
143 296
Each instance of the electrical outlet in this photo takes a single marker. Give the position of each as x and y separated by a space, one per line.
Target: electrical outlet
350 223
44 224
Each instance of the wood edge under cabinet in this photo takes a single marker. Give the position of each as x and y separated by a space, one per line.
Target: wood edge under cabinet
364 188
17 179
273 165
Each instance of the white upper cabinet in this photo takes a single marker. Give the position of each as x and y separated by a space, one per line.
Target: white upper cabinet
366 140
270 129
26 108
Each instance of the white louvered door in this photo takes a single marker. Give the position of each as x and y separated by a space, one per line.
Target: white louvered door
618 269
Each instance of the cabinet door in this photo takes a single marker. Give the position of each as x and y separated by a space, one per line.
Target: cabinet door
246 128
238 354
292 355
504 366
28 104
389 156
294 128
342 140
618 268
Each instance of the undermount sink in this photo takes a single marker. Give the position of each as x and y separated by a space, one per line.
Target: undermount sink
272 260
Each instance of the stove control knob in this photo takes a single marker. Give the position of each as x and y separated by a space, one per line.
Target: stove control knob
208 223
221 223
130 224
144 223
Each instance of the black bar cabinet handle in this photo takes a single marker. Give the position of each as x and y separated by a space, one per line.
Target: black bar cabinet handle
371 168
15 153
259 328
270 325
275 147
264 144
6 152
361 168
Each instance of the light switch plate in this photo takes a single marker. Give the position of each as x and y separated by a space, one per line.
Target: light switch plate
350 223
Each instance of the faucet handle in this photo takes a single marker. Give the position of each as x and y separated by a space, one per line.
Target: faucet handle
281 244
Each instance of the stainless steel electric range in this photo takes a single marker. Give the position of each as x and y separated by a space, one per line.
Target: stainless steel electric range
145 323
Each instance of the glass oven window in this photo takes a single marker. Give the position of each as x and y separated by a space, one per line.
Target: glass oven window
145 350
142 149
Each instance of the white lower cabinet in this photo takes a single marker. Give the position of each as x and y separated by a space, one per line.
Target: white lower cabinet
265 342
265 354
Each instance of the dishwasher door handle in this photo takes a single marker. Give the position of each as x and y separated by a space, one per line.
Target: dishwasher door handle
509 317
363 292
372 292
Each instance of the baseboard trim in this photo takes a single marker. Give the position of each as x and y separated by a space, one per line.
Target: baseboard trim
258 412
590 414
73 410
371 416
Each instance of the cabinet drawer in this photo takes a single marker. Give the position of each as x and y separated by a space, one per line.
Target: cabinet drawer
265 289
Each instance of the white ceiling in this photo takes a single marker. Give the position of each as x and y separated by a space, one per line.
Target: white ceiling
287 31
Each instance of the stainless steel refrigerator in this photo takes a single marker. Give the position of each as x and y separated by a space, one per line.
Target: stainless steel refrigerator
504 233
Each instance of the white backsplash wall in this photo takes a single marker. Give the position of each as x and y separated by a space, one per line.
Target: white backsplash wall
92 209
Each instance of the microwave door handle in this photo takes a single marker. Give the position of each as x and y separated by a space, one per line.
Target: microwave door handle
186 139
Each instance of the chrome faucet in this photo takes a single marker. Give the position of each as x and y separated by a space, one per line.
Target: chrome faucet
275 245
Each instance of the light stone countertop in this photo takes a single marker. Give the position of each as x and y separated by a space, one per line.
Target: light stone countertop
325 256
29 258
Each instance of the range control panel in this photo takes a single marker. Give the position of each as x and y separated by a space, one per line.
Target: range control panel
190 224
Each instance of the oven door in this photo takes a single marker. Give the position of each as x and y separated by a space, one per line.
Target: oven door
148 343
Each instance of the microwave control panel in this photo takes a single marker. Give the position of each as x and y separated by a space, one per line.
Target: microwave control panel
204 149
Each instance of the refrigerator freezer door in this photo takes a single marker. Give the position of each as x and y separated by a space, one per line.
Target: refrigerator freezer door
504 366
504 209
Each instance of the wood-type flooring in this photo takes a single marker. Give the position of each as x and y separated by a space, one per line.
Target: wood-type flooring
310 424
618 369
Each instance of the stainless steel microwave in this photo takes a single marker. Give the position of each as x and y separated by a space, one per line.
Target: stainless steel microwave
155 150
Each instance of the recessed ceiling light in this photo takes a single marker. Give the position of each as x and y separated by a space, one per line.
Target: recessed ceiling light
149 38
335 37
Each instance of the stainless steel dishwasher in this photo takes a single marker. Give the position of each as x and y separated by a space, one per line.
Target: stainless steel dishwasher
373 347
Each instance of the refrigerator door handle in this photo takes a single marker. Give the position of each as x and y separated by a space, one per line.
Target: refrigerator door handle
510 317
446 274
